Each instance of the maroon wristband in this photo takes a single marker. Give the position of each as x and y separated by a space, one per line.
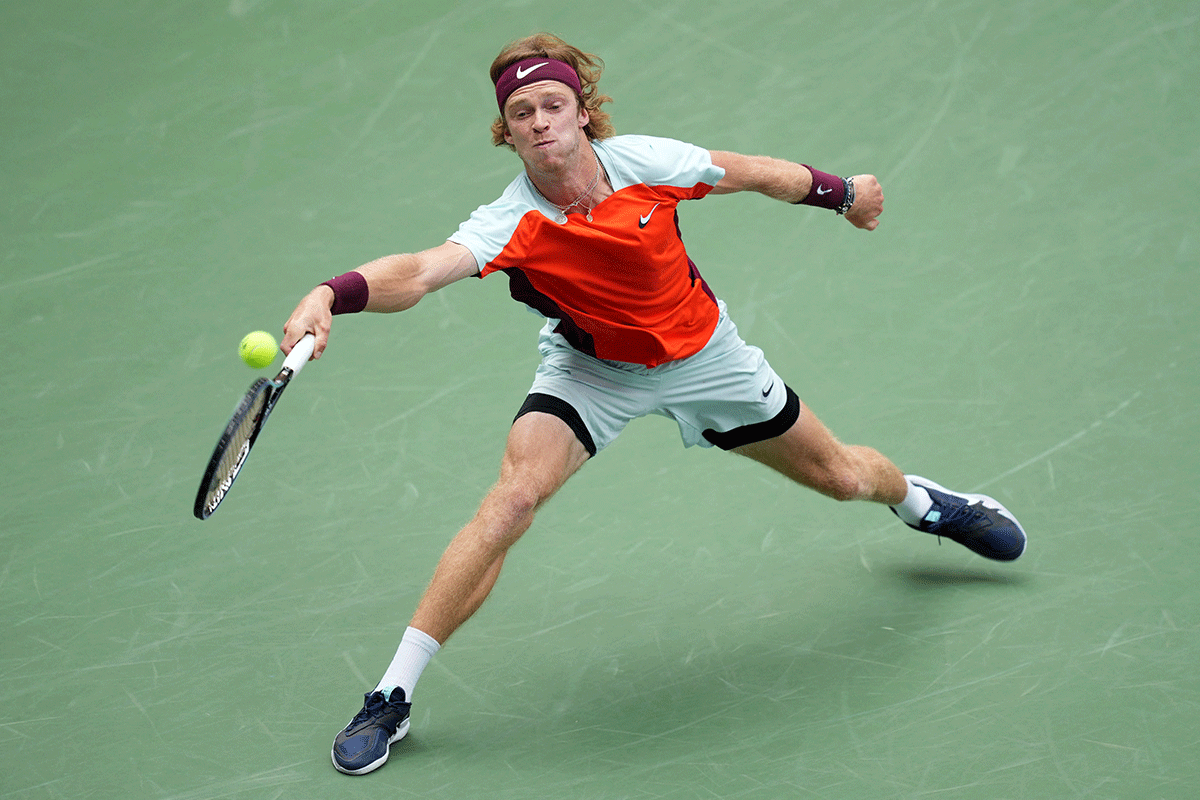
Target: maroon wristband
828 191
350 293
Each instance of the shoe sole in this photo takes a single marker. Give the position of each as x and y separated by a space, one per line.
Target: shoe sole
401 729
987 500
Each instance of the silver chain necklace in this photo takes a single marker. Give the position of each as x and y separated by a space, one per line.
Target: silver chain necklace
561 219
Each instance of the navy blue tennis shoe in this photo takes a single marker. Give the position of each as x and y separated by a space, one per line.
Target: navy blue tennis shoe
975 521
364 744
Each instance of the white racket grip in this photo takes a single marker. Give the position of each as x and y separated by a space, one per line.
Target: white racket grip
300 354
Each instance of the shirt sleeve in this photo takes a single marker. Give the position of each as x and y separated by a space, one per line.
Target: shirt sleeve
656 161
489 229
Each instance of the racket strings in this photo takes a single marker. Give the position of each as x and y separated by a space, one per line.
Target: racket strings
242 431
240 440
236 448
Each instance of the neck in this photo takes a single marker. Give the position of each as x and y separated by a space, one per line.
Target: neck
575 184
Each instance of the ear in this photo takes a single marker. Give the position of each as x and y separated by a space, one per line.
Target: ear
584 117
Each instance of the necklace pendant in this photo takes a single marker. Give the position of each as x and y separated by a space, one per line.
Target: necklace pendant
561 219
589 216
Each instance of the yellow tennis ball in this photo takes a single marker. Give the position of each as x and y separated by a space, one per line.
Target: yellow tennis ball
258 349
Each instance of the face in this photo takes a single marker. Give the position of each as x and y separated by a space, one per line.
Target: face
545 123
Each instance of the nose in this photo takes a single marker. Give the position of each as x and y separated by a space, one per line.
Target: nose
541 121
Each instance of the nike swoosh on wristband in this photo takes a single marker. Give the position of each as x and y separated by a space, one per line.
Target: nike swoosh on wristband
827 191
644 221
521 73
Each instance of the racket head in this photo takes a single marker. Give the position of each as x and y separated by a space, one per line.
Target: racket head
234 446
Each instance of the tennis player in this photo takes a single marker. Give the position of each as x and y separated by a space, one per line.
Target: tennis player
589 237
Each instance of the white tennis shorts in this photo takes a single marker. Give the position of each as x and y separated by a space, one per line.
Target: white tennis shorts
726 395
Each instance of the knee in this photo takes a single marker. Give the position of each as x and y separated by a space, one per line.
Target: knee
517 504
506 513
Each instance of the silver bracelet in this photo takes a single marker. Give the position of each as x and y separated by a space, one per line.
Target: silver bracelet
848 200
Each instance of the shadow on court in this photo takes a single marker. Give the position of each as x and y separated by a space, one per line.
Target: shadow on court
703 690
942 577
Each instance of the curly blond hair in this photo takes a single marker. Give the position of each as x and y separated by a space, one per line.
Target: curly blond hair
586 65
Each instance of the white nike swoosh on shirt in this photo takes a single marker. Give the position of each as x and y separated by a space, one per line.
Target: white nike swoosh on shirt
521 73
644 221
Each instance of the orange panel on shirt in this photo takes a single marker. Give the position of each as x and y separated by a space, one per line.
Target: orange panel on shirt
622 285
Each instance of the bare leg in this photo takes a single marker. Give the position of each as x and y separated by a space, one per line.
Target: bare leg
810 455
542 452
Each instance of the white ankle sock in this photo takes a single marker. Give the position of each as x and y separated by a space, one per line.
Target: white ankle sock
916 504
412 656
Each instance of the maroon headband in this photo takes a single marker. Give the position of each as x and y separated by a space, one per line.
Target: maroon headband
532 70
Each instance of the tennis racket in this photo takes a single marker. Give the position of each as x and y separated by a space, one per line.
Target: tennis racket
244 426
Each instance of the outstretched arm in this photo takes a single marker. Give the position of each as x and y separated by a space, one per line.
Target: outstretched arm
394 283
791 183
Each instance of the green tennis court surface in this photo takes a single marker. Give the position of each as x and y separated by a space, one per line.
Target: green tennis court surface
677 624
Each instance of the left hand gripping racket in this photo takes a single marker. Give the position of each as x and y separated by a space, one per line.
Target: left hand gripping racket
244 426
